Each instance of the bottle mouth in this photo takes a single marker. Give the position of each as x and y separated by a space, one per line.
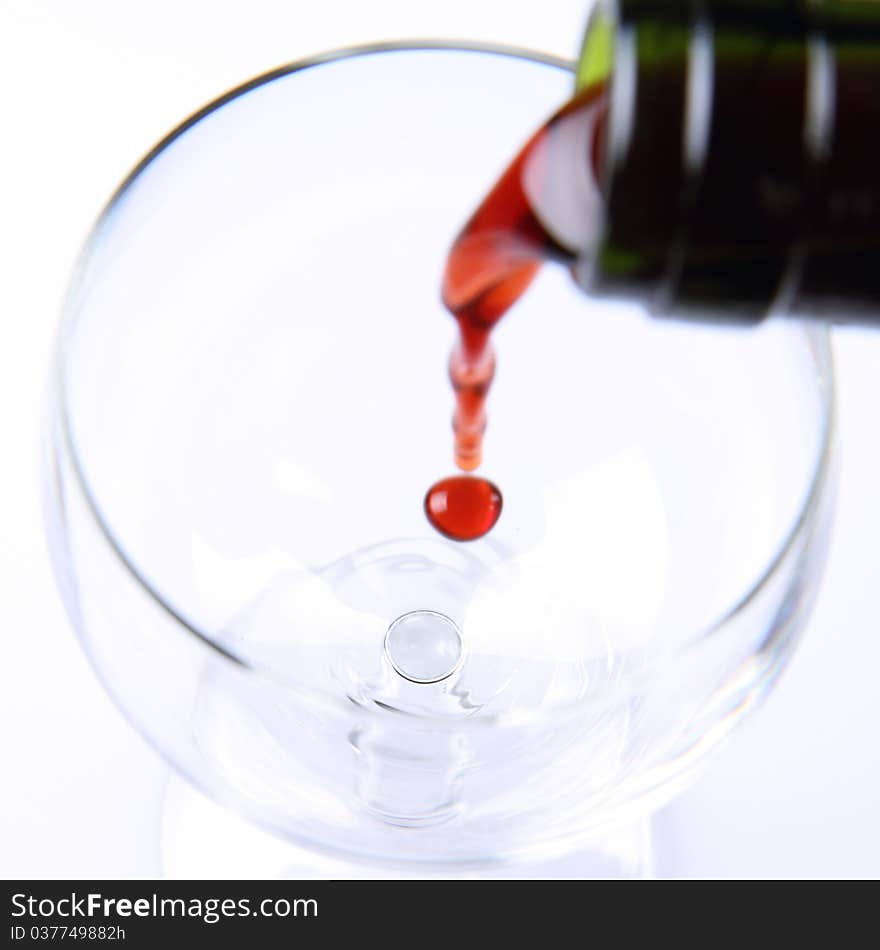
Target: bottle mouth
643 60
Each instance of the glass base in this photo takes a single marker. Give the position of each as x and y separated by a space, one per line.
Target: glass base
202 840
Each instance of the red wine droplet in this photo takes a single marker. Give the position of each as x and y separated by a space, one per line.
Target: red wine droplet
463 507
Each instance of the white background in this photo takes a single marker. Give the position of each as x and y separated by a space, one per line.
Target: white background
86 88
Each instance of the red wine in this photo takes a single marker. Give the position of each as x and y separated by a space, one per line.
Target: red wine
463 507
489 267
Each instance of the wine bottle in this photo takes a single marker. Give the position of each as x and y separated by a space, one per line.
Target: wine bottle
740 171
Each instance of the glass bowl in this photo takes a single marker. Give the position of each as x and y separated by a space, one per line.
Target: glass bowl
250 401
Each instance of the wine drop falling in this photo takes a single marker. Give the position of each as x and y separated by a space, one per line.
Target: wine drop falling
489 267
463 507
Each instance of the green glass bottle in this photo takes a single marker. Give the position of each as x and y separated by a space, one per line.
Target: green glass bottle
742 156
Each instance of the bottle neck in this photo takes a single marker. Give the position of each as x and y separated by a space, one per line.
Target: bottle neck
742 157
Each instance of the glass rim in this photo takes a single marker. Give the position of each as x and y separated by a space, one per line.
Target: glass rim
346 705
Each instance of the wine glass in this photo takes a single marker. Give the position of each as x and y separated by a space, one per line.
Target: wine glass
249 402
